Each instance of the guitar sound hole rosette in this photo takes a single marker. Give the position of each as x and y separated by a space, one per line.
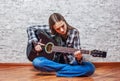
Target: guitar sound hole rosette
48 47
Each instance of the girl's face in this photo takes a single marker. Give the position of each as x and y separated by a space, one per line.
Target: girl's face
60 27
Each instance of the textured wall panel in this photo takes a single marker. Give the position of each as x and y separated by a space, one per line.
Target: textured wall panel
97 20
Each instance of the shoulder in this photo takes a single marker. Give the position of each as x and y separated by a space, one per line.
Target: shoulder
73 31
35 26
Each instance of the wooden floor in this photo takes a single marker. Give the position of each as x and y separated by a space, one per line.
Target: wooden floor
11 72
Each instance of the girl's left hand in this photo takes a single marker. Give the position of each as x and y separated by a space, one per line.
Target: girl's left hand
78 55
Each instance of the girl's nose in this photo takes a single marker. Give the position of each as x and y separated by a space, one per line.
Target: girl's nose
61 29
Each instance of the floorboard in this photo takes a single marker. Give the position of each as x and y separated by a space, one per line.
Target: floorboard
28 73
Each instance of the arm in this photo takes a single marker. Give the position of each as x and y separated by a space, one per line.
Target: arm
33 40
74 39
74 42
31 32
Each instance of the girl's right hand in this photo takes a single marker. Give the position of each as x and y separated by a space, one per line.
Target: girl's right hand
38 48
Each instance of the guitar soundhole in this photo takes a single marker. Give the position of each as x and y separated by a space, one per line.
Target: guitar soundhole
49 47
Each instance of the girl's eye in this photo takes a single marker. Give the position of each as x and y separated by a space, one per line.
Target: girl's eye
62 26
58 29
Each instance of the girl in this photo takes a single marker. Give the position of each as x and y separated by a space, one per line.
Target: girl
69 65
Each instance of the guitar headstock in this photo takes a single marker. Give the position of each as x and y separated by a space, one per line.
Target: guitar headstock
97 53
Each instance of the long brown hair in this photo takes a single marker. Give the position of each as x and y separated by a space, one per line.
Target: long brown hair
55 17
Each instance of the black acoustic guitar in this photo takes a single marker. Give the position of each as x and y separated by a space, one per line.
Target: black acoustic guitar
51 48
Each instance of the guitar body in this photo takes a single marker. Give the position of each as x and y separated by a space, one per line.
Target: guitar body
31 53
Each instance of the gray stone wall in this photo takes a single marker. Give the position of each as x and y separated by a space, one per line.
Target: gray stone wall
97 20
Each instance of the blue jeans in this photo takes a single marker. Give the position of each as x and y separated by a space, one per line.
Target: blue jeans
65 70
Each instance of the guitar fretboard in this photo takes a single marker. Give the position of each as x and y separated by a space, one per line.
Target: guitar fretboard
68 50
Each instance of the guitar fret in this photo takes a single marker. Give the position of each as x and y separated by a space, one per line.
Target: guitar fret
85 51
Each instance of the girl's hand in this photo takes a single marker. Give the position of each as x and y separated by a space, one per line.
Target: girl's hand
78 55
38 47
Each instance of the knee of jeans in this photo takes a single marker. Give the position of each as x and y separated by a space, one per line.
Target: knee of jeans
91 69
38 62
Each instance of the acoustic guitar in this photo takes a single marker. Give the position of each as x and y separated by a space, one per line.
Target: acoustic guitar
51 48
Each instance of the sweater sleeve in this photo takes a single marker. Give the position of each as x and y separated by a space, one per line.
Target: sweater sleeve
74 42
31 32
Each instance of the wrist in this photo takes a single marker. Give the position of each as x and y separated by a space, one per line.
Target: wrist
79 60
34 43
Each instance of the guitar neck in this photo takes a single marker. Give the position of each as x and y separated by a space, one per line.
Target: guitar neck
68 50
